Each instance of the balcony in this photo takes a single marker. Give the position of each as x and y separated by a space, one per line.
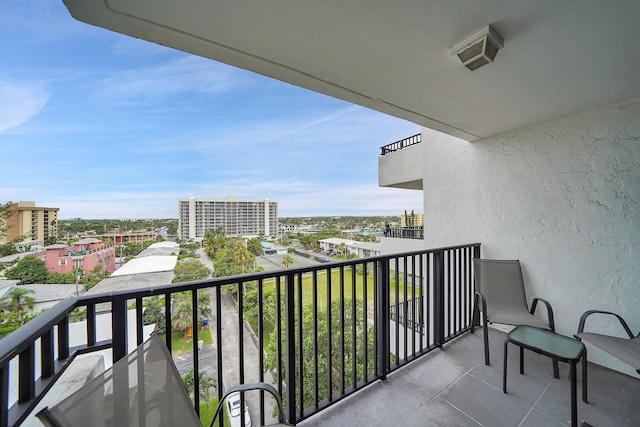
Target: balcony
400 164
405 232
399 353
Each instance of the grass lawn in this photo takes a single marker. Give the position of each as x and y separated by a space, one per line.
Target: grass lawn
181 344
208 409
321 282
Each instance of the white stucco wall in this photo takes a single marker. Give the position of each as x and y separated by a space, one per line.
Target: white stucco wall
563 197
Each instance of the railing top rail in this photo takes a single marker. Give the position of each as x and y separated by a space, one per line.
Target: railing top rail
20 339
23 337
399 145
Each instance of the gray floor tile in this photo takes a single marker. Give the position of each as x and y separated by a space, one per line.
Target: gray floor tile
538 419
485 403
438 413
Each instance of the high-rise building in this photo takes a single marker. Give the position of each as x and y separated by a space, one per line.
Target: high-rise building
237 218
34 223
411 219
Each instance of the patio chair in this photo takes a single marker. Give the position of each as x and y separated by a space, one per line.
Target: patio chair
501 298
625 349
241 388
143 388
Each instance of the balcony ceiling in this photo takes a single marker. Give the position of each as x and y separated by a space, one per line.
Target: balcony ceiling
559 58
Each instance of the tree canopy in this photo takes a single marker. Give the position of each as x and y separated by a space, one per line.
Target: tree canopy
320 352
189 270
29 269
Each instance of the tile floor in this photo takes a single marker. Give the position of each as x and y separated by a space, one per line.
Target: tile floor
453 387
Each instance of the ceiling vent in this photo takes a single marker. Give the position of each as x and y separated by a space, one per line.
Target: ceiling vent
478 49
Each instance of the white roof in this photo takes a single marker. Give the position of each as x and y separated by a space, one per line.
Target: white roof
160 248
132 281
15 257
147 264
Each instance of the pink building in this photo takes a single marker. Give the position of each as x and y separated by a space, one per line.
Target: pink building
85 254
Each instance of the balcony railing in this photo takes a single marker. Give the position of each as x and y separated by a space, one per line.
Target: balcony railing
399 145
337 327
405 232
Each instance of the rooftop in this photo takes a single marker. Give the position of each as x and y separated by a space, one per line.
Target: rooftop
147 264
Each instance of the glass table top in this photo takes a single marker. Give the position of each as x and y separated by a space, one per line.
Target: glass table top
547 342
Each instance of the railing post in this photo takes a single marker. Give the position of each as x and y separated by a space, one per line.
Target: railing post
26 380
119 328
119 342
4 396
438 298
382 313
290 347
475 311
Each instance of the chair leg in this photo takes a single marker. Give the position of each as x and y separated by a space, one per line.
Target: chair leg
504 367
584 377
474 318
485 332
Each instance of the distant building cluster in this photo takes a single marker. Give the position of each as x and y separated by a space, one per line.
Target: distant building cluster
120 238
236 218
33 223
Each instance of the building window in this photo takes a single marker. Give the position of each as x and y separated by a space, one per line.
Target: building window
62 262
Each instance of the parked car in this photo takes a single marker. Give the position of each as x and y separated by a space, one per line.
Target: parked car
233 410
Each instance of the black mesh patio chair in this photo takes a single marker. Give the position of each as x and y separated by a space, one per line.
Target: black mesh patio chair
143 388
625 349
500 297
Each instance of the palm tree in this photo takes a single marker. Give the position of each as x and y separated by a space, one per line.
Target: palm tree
16 299
181 319
206 382
241 255
287 261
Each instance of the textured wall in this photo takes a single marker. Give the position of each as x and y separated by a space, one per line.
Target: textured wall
563 197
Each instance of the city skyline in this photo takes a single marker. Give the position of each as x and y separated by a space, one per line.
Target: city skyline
107 126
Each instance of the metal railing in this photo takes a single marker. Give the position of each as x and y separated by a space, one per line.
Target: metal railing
322 332
399 145
405 232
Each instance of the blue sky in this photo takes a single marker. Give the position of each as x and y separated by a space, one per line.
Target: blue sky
103 125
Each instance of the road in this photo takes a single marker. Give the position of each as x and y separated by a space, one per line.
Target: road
230 350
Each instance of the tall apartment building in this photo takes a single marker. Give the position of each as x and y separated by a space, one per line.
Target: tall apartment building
237 218
32 222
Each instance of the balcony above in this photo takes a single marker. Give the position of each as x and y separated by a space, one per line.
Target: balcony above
400 164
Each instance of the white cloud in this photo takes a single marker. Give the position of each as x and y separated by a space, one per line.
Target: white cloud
179 75
20 102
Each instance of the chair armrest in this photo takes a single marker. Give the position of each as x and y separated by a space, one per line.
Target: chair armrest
534 304
588 313
252 386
